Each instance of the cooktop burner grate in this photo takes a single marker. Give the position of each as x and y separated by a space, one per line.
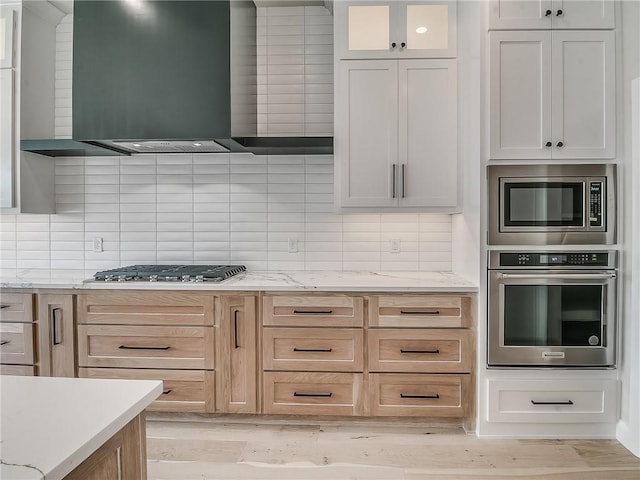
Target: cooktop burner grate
170 273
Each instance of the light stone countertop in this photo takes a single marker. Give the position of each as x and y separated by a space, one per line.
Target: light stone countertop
287 281
51 425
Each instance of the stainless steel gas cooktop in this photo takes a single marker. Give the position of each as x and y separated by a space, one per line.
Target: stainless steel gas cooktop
170 273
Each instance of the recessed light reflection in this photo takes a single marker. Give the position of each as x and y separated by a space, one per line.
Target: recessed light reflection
421 30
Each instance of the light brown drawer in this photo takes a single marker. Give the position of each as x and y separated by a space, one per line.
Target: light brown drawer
420 350
17 343
182 390
421 311
313 349
313 311
145 347
16 307
145 308
418 395
312 393
25 370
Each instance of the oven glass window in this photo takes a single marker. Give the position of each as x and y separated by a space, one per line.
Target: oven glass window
543 204
547 315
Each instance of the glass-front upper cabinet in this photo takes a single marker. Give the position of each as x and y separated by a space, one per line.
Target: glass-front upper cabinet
395 29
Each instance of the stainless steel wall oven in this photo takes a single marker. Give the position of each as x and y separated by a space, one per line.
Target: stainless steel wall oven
552 204
552 308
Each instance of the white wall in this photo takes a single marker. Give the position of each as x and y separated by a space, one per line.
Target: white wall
211 208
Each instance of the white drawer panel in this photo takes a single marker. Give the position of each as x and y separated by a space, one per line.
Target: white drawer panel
552 401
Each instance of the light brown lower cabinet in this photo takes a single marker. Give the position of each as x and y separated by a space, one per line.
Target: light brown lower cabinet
56 335
122 457
312 393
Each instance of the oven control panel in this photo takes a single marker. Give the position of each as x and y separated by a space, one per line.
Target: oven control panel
551 259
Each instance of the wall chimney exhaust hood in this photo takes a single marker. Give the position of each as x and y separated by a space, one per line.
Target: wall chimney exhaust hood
162 76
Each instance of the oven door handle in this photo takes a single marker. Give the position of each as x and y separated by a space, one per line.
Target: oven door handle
571 276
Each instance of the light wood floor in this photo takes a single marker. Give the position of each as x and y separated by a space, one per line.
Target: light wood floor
219 448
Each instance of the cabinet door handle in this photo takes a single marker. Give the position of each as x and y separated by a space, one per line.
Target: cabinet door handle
548 144
313 312
323 395
567 402
393 180
313 350
55 323
2 307
130 347
403 45
167 392
560 145
402 350
4 342
236 344
547 13
434 395
403 185
559 13
393 45
422 312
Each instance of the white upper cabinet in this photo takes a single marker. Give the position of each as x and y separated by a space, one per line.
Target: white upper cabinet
395 29
396 135
552 95
546 14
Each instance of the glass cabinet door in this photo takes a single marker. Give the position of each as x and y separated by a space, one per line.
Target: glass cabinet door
395 29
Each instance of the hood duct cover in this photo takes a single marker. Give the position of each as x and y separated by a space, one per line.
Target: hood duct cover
158 74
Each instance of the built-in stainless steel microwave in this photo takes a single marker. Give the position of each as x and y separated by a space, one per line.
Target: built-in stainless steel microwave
552 204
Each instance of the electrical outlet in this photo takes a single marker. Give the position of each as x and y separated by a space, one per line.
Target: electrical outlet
292 245
394 245
97 244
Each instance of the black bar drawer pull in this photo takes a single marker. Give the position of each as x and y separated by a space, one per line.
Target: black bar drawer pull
434 395
323 395
313 312
2 307
568 402
55 324
236 344
313 350
128 347
4 342
402 350
423 312
167 392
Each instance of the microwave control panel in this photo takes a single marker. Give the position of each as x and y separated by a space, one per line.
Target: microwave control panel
595 203
552 259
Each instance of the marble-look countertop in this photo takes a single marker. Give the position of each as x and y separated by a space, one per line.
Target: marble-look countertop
51 425
321 281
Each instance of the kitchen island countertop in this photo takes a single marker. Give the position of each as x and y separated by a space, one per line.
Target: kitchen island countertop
51 425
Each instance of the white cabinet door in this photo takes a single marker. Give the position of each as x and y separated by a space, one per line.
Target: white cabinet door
552 95
411 29
583 95
366 140
545 14
7 164
520 104
428 145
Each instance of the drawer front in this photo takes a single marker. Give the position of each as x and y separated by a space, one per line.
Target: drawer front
145 308
552 401
145 347
17 343
313 311
419 395
426 350
16 307
312 393
182 390
313 349
420 311
24 370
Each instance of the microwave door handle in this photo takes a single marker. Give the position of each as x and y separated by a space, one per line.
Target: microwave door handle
572 276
